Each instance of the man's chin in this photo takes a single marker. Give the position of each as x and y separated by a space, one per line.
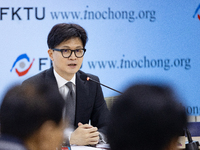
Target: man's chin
72 71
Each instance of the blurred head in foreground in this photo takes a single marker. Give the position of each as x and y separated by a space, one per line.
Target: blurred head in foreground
146 117
33 113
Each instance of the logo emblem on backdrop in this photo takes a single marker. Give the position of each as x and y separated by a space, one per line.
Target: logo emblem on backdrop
196 12
22 64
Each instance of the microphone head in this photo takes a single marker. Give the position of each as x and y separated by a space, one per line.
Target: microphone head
83 77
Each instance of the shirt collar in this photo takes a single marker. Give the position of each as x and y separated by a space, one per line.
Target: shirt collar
61 81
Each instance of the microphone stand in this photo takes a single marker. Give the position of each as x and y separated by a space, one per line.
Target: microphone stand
105 85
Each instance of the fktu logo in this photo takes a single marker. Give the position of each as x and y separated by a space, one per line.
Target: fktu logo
20 59
22 13
196 12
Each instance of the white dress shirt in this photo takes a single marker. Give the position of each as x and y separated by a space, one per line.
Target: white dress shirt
63 89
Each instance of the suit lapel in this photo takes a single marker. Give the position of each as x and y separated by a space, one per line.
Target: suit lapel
50 78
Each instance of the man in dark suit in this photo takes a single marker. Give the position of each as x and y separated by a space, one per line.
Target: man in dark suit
66 44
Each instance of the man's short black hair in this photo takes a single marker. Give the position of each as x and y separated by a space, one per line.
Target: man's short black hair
25 108
63 32
145 117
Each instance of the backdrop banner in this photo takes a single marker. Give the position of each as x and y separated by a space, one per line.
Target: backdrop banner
129 41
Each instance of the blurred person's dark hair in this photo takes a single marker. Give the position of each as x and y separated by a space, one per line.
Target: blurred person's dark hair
146 116
63 32
25 108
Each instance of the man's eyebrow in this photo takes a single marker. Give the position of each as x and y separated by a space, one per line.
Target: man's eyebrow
69 47
66 46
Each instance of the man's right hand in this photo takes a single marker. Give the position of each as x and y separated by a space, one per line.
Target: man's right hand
85 134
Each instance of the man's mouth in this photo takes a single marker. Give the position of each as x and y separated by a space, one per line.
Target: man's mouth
72 65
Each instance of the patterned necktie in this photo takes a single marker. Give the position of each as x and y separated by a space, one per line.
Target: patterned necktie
71 103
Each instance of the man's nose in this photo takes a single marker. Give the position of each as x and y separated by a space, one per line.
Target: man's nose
73 56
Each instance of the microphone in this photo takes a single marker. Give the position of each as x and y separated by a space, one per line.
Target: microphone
191 145
86 78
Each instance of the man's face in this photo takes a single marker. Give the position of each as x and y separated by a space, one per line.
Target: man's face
67 67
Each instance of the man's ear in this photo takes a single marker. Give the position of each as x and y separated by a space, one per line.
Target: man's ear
46 133
46 128
173 145
42 137
50 52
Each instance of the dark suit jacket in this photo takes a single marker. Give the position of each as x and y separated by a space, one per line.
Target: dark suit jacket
90 103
